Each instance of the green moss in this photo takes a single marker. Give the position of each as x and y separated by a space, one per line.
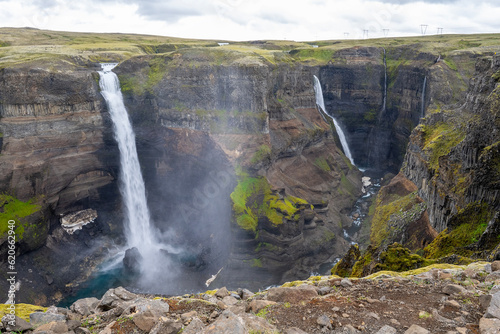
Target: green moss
359 267
262 154
465 228
370 116
344 267
253 200
439 139
14 209
381 227
257 263
398 258
496 76
23 311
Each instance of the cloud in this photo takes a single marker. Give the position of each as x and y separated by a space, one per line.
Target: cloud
258 19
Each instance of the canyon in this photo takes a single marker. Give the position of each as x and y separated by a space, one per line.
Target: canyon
241 170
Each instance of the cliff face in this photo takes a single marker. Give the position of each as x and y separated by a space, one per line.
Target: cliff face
56 149
452 156
444 204
263 118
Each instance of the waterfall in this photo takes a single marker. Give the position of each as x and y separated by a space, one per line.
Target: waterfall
422 110
321 104
385 84
138 230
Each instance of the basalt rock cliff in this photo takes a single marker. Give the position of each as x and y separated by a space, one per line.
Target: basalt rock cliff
241 169
444 203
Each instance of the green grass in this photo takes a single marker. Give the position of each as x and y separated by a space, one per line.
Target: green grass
323 164
21 45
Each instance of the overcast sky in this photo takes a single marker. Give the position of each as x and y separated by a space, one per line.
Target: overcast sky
256 19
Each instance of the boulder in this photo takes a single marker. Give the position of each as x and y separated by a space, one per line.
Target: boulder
195 326
188 315
85 306
227 323
484 302
489 326
452 289
132 260
323 321
254 324
292 295
41 318
55 327
258 304
245 294
146 313
415 329
229 300
495 266
20 325
493 310
115 297
387 330
166 326
222 292
346 283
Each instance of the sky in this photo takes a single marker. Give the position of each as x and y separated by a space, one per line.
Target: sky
242 20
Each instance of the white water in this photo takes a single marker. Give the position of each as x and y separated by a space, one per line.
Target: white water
422 111
139 232
321 104
385 84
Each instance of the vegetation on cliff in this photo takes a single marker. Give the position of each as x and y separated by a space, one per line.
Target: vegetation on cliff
254 200
463 233
15 209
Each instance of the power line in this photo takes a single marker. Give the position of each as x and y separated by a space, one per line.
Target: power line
423 28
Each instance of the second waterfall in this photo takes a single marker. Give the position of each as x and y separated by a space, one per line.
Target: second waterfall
321 104
139 232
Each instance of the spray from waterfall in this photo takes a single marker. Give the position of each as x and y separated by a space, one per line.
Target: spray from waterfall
139 232
422 104
321 104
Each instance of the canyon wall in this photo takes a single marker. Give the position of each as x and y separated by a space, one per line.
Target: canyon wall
213 127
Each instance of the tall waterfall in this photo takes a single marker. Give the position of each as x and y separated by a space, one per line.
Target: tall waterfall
138 230
321 104
422 107
384 102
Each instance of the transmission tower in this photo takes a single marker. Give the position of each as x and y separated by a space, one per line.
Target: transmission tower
386 32
423 28
346 35
365 33
440 31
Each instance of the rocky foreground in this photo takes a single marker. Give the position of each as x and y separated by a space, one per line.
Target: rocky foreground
449 299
